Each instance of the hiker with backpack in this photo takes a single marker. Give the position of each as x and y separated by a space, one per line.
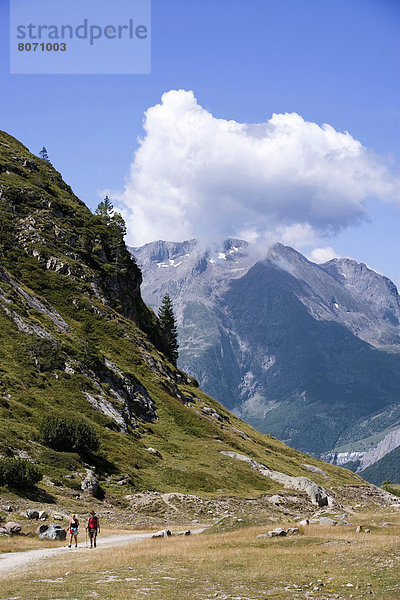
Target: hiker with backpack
93 528
73 528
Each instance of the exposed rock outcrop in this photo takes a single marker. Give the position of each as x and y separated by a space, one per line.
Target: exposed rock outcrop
317 494
90 483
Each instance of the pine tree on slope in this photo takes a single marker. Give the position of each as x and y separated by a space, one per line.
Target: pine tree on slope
43 154
169 329
116 225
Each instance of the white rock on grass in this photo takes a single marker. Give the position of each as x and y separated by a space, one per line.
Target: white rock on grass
162 534
279 532
155 452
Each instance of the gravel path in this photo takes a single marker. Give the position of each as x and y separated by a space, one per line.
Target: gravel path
20 560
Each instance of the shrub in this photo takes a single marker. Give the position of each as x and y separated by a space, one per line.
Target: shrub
46 354
69 434
18 473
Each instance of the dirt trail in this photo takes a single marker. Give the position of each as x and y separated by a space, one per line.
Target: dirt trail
20 560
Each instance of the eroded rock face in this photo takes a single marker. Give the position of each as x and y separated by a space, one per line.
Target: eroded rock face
317 494
90 484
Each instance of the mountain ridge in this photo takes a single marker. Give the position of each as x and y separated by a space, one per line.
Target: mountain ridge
348 329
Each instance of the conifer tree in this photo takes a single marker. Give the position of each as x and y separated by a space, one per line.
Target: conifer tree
43 154
105 210
116 224
169 330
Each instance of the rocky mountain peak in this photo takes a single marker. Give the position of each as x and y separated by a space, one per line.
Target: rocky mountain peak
376 290
162 251
275 336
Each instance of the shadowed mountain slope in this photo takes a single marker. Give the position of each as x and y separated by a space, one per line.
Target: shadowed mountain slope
306 352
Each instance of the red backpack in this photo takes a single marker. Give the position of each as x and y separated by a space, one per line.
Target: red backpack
92 523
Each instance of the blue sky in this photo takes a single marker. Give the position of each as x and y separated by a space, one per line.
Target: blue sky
333 62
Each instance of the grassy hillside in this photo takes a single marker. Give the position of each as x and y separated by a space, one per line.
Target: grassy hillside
77 339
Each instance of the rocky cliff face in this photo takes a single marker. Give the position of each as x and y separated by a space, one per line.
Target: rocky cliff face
296 349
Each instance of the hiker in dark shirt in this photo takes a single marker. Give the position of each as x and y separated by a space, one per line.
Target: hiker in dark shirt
73 528
93 527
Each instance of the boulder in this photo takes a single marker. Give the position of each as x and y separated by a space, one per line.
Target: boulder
43 515
359 529
155 452
277 532
293 531
9 509
53 532
32 514
4 531
316 470
161 534
41 529
13 528
58 517
326 521
317 494
304 522
90 484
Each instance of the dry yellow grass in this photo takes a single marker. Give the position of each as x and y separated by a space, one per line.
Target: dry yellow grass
235 565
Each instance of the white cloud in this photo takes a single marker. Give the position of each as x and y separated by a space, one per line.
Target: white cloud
322 255
195 175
